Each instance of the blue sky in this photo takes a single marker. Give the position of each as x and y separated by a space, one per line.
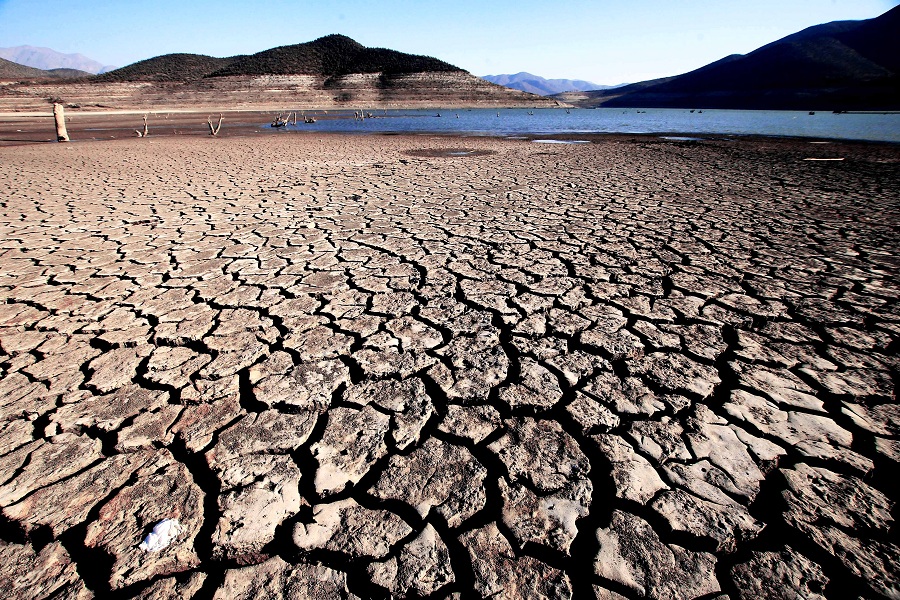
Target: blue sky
604 41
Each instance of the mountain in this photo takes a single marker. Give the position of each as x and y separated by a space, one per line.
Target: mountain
843 65
169 67
535 84
47 59
331 72
332 55
14 70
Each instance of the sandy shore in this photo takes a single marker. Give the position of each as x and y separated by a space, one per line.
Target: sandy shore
420 365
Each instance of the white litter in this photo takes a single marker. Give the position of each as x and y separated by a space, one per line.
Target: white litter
162 535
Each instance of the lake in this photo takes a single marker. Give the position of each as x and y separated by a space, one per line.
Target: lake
512 122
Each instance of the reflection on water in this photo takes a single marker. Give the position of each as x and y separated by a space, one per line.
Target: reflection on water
516 122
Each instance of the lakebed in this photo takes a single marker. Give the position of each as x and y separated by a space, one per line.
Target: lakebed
419 365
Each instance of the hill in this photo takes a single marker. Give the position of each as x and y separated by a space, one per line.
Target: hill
12 70
169 67
49 59
331 55
844 65
535 84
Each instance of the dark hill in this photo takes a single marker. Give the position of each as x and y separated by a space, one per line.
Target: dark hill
331 55
169 67
11 70
843 65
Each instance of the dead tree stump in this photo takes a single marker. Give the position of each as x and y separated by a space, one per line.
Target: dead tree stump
59 115
214 130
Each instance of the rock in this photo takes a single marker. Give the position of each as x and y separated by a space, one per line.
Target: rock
414 334
590 415
661 440
350 529
677 373
198 423
173 588
726 521
233 353
420 569
631 554
275 579
29 574
438 476
165 490
67 503
540 453
309 385
109 412
268 432
616 345
782 575
538 388
46 462
635 479
251 513
547 519
18 432
500 574
408 401
474 423
174 367
351 443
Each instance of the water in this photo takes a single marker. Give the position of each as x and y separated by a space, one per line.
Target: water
550 121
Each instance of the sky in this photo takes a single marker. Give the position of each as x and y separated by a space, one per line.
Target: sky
603 41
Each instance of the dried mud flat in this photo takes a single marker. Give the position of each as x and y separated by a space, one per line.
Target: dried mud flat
630 369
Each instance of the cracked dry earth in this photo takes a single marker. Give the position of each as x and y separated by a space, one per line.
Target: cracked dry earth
376 366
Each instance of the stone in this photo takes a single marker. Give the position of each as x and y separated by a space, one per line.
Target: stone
499 573
420 569
406 399
267 432
308 386
346 527
435 476
781 575
474 423
165 490
275 579
29 574
538 389
631 554
351 443
174 367
634 477
111 411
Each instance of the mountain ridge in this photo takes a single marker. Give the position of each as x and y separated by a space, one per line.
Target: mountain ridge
535 84
48 59
842 65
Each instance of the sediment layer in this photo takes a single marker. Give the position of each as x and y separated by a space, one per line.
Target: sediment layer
360 90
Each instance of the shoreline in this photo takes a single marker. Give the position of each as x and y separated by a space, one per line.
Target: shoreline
25 128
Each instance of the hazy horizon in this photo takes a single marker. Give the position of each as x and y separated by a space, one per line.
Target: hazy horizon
603 42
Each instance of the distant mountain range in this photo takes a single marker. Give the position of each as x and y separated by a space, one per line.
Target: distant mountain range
535 84
47 59
844 65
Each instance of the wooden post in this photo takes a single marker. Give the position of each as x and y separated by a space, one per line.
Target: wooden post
214 130
59 115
